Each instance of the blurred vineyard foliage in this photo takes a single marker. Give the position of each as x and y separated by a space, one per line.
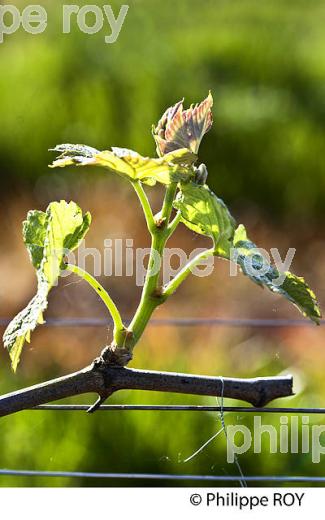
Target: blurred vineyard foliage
264 62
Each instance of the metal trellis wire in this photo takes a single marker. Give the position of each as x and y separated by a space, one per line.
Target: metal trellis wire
179 322
158 476
174 408
271 479
176 322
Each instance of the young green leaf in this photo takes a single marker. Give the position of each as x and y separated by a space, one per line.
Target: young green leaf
203 212
179 128
253 264
34 232
172 167
48 237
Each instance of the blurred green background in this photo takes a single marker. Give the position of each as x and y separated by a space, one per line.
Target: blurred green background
264 62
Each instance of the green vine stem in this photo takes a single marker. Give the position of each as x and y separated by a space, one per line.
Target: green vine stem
150 298
145 205
119 328
152 295
174 223
185 272
168 203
